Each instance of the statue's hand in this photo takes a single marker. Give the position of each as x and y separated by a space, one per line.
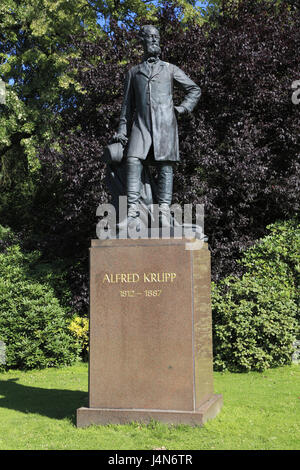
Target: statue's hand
179 109
120 138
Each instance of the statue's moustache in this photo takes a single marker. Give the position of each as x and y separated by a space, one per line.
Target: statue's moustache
154 48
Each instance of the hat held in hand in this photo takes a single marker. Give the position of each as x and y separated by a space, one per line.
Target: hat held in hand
113 153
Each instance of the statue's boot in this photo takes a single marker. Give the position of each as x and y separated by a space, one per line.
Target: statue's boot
165 191
134 168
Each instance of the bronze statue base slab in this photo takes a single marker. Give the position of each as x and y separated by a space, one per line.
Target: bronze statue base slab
150 351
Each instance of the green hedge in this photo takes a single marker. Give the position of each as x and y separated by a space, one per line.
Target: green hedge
256 317
33 323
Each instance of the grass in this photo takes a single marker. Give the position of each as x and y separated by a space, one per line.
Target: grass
261 412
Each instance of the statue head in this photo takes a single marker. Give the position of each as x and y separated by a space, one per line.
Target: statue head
150 39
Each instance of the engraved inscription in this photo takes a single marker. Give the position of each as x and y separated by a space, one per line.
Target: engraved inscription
117 278
148 278
145 293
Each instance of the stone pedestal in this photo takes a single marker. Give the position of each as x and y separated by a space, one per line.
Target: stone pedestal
150 333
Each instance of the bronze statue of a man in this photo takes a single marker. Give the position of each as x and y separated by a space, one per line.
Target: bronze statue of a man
148 125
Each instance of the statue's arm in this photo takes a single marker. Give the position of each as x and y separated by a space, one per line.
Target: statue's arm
126 111
192 90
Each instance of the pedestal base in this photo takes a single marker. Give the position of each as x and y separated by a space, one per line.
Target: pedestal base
209 409
150 351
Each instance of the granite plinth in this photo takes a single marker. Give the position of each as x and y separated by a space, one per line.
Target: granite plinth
208 410
150 333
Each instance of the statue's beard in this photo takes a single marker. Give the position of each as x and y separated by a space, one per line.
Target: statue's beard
153 50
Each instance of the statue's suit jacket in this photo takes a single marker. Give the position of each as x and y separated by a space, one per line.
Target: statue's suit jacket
147 115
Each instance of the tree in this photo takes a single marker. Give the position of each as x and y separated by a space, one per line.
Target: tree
35 50
213 8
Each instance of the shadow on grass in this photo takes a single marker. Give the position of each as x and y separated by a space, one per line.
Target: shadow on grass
54 403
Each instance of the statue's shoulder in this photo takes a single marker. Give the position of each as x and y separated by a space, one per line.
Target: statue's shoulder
133 70
168 65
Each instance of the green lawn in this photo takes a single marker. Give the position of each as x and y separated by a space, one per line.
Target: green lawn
261 411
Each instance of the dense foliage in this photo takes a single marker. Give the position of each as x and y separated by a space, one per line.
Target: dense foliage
34 324
257 316
79 327
34 51
239 150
